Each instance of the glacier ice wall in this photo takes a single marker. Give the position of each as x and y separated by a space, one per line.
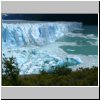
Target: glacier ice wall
35 33
26 41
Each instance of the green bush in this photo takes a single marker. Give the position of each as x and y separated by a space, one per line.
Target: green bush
62 70
10 71
58 70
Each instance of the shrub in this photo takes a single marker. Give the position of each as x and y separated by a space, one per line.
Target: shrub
59 70
62 70
10 70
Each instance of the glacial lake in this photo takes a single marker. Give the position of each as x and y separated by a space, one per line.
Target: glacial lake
87 44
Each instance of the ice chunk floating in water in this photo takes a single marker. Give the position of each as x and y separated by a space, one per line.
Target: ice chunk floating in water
27 42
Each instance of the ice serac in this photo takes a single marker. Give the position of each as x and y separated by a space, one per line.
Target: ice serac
35 33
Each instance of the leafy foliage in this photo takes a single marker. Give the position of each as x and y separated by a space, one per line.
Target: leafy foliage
10 71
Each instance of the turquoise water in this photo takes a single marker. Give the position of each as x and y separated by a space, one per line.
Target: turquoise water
78 40
84 46
84 50
90 29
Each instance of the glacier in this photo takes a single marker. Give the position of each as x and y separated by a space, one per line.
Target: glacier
32 44
40 33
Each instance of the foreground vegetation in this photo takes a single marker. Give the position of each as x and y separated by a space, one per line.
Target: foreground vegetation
59 76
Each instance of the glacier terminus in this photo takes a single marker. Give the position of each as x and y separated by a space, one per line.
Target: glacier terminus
35 45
